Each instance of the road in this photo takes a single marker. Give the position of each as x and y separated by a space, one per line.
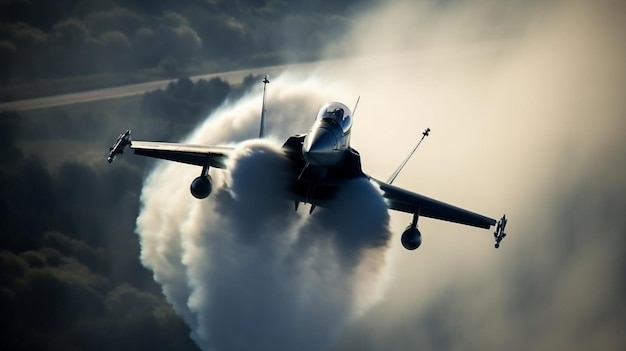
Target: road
232 77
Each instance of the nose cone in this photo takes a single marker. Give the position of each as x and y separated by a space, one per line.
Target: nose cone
320 147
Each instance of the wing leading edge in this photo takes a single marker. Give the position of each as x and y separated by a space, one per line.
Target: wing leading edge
409 202
398 199
199 155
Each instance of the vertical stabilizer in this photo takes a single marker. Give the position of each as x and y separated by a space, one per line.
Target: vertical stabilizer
263 110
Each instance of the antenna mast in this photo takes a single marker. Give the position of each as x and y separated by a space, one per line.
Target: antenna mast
263 110
356 105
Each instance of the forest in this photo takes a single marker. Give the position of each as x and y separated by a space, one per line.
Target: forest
43 40
70 275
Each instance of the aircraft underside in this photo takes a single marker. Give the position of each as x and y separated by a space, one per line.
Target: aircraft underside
317 185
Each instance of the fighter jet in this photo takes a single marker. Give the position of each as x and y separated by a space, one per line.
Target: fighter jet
321 161
120 144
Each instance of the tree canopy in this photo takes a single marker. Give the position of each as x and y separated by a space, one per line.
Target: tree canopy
70 275
42 39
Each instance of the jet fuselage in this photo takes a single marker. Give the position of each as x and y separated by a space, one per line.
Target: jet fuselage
329 138
322 159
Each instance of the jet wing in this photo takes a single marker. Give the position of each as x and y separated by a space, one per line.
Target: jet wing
405 201
199 155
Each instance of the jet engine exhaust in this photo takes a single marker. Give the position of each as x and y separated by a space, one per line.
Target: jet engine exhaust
242 268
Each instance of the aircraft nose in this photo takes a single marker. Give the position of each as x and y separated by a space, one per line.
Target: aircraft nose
320 147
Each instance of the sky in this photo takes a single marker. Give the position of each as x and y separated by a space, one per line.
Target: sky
525 105
525 102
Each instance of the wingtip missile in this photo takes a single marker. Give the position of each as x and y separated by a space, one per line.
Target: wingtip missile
120 144
499 234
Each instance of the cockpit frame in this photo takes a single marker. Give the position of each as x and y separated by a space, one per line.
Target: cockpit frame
336 113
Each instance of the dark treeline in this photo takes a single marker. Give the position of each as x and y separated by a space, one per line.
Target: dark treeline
183 104
70 275
42 39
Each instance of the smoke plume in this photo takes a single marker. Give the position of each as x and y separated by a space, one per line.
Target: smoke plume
242 267
525 100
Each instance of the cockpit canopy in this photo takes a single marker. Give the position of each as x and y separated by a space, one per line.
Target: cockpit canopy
336 112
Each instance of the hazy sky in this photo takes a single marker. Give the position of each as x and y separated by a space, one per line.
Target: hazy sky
526 105
525 102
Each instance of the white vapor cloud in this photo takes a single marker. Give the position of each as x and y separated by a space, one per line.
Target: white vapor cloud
243 268
525 101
